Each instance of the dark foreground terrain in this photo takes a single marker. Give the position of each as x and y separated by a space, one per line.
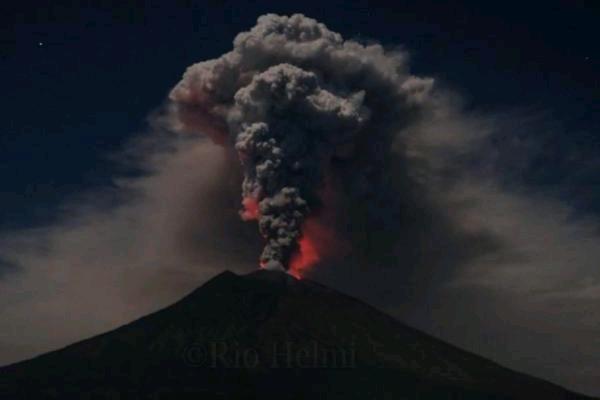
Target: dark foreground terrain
267 336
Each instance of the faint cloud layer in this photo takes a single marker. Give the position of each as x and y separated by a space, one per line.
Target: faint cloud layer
448 243
101 267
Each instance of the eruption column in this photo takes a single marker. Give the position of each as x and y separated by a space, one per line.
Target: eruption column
292 96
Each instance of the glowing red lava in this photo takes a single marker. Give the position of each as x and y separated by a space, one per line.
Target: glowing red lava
317 242
251 210
304 258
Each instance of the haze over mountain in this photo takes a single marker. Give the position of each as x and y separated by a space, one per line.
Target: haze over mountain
479 227
267 335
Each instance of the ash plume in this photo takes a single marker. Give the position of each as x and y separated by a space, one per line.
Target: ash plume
431 235
295 98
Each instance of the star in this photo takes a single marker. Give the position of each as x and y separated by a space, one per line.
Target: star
40 44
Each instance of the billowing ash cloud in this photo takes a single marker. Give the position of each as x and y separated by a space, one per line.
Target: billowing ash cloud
294 98
413 186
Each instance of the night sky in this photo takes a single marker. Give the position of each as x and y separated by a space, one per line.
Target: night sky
81 78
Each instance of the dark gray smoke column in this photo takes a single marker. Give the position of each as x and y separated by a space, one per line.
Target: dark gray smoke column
292 97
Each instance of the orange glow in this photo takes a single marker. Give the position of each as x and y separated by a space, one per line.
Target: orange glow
318 241
251 210
306 256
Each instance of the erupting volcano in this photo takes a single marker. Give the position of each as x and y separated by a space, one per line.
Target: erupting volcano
291 98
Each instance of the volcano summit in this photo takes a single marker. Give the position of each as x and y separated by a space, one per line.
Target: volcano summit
267 335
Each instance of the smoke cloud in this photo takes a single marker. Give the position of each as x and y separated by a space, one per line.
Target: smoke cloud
294 97
347 161
121 252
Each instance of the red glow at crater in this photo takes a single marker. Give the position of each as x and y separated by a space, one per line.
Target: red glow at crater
317 242
305 257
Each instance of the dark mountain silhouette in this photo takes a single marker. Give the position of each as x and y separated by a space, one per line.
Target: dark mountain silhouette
263 336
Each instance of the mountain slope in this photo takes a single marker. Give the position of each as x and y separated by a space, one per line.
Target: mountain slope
267 335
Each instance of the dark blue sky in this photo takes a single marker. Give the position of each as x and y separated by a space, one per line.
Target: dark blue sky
80 77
